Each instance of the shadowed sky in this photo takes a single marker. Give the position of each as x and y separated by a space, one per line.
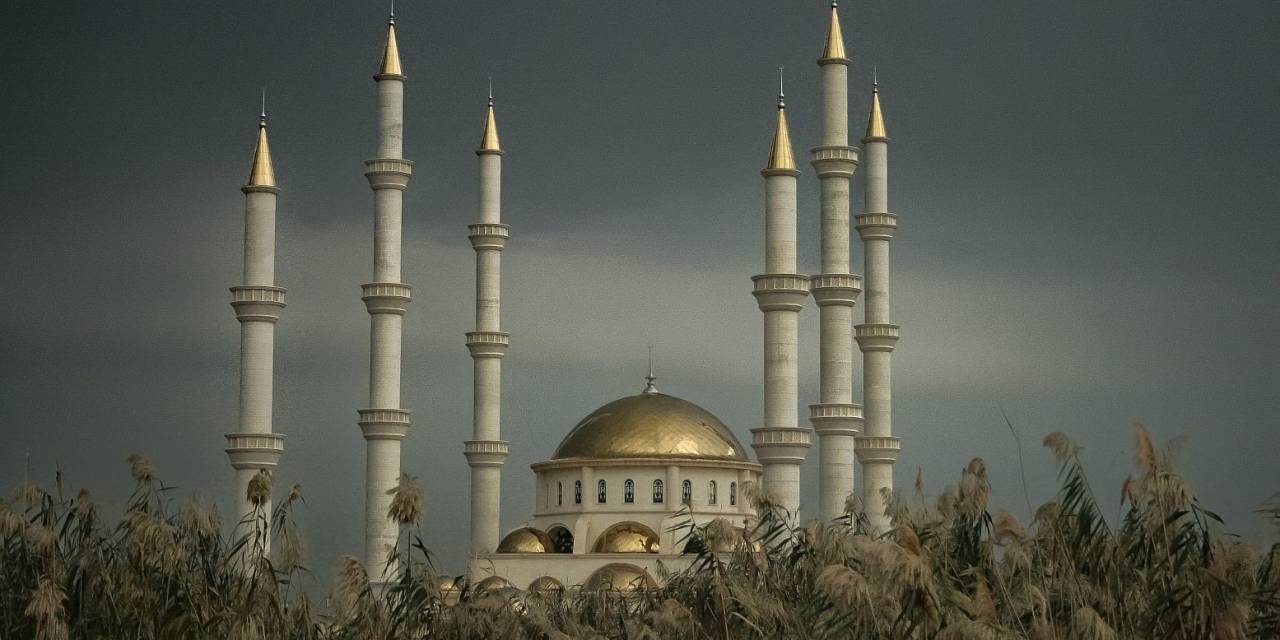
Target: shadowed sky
1088 232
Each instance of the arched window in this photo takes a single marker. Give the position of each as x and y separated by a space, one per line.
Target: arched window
711 492
601 493
577 492
628 491
733 494
559 493
657 491
686 492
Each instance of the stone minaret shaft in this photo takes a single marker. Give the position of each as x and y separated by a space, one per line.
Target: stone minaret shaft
257 303
835 418
486 451
385 423
781 444
877 337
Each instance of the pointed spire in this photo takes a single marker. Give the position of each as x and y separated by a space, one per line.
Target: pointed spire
875 122
489 141
780 156
649 387
262 174
834 51
391 55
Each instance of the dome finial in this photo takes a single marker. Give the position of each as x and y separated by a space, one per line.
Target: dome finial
649 387
782 103
391 17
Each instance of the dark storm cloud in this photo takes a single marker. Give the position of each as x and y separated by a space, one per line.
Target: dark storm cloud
1086 190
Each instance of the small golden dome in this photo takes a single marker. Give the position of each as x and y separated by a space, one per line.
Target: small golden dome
619 577
546 585
627 537
491 584
526 540
651 425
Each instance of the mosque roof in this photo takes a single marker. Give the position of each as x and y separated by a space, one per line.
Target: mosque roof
651 425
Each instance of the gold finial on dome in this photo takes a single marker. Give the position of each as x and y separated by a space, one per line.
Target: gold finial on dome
391 55
875 122
834 51
780 156
489 142
262 174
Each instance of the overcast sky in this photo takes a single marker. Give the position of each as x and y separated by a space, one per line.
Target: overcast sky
1087 195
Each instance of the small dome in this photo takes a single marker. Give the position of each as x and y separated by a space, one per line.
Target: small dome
618 577
526 540
546 585
651 425
491 584
627 537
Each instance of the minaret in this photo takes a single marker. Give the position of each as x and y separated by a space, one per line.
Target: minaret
835 418
877 448
257 303
385 423
486 451
781 444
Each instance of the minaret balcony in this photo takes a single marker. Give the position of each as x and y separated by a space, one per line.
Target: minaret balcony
834 161
386 297
835 288
491 237
837 419
257 303
780 291
876 337
384 424
255 450
876 226
488 344
877 449
781 445
485 453
388 173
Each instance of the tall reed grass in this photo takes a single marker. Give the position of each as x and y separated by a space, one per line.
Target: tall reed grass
950 569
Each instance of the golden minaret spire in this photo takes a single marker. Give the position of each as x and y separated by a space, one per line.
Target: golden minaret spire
835 39
262 174
391 55
875 122
780 156
489 142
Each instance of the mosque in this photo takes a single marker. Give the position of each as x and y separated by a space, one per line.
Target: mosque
609 498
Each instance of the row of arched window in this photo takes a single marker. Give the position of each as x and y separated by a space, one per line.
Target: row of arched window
629 492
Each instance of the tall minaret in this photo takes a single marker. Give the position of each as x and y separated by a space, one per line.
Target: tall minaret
781 445
836 418
257 303
877 448
384 423
486 451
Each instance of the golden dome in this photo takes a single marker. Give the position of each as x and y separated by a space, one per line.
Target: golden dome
491 584
619 577
651 425
546 585
627 537
526 540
